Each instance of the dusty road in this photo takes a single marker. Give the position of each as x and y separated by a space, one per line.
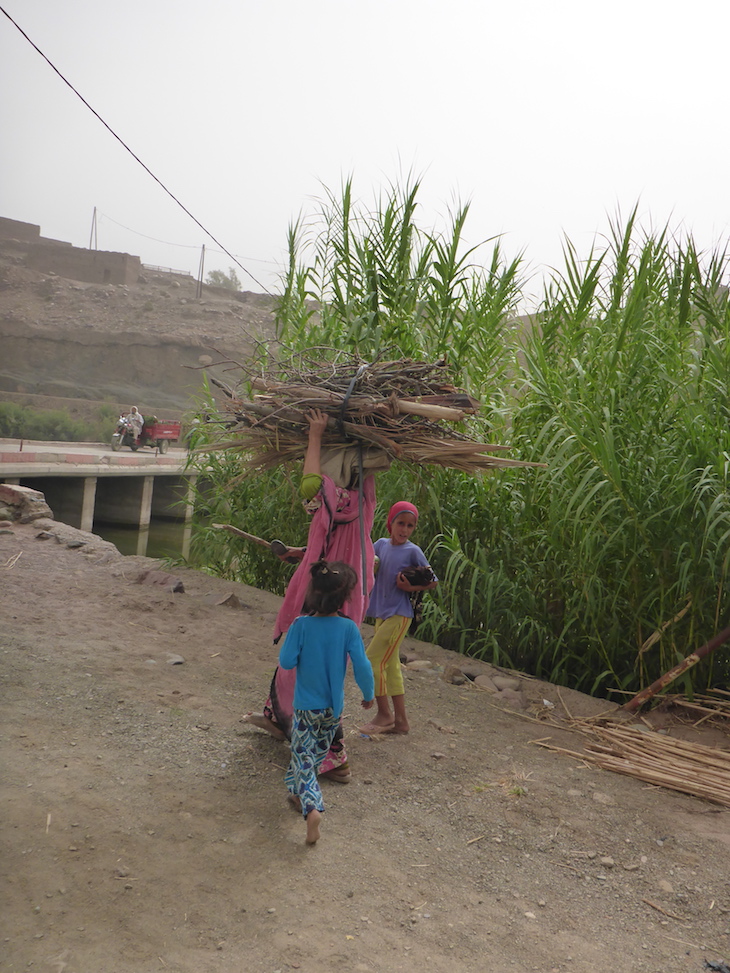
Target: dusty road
145 828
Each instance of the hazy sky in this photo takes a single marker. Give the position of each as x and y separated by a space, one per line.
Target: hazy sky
549 117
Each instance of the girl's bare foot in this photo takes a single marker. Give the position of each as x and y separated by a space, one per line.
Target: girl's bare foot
370 729
399 728
295 802
264 723
313 819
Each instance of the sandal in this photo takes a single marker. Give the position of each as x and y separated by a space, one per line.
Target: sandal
339 774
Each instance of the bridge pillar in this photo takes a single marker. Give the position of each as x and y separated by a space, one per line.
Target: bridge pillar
145 502
88 500
189 507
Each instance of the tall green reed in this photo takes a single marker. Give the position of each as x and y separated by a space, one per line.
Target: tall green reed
619 383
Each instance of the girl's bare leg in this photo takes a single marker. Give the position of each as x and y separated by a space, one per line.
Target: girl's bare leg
313 820
401 720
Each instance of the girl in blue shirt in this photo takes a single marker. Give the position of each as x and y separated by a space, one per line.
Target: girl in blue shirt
318 646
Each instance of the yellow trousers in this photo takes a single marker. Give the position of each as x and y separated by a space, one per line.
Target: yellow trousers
384 654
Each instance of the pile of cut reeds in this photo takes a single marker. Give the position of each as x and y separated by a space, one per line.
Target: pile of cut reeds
397 406
701 708
658 759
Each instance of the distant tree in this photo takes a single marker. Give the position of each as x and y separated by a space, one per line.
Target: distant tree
220 279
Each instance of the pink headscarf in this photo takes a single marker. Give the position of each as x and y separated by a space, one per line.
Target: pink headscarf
401 507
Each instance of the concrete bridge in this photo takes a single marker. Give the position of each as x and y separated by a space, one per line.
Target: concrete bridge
87 482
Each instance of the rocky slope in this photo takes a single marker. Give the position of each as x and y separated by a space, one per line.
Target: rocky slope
71 344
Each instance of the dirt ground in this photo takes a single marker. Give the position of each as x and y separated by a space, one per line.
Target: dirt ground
145 827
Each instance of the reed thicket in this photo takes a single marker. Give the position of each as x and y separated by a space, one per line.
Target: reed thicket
619 382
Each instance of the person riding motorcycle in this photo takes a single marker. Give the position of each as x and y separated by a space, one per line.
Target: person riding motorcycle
135 421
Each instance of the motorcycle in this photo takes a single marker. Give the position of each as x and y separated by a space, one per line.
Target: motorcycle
155 433
125 435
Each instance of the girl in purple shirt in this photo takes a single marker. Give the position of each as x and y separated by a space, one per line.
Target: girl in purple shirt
390 606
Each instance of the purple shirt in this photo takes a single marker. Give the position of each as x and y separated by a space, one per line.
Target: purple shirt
387 599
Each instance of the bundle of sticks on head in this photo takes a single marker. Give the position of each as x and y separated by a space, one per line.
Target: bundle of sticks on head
397 406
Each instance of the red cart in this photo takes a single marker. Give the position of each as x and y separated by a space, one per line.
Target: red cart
154 433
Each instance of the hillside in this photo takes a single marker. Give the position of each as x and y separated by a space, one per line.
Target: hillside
70 344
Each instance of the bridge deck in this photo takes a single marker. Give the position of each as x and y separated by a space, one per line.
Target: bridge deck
24 458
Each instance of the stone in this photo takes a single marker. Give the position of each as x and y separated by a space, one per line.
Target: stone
162 579
513 698
24 504
230 601
453 675
484 682
601 798
506 682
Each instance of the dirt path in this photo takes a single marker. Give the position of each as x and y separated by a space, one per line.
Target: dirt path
145 828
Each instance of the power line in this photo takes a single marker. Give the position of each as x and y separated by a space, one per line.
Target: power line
185 246
134 156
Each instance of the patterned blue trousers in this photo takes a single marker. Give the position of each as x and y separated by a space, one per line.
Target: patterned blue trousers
312 733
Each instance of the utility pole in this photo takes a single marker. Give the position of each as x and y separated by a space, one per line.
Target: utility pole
199 288
93 242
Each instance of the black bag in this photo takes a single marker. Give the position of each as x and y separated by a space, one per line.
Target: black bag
417 575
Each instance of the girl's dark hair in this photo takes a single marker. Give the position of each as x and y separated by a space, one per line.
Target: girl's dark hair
331 585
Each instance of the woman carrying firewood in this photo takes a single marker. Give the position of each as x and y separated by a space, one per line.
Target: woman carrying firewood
340 530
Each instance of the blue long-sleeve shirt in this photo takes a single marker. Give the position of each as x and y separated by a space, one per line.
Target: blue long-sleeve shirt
318 647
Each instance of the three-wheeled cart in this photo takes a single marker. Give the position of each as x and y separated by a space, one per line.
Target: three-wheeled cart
154 433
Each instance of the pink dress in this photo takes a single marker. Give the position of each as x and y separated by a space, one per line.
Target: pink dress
335 535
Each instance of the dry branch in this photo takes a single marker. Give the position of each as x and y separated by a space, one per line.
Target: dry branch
397 406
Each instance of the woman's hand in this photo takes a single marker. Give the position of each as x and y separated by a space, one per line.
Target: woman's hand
317 422
317 425
367 703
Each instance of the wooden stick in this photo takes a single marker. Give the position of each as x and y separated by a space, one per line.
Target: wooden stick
663 911
242 533
691 660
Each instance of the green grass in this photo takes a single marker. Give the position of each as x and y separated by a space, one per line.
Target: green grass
54 425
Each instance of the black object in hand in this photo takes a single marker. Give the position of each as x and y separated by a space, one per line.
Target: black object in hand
418 575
